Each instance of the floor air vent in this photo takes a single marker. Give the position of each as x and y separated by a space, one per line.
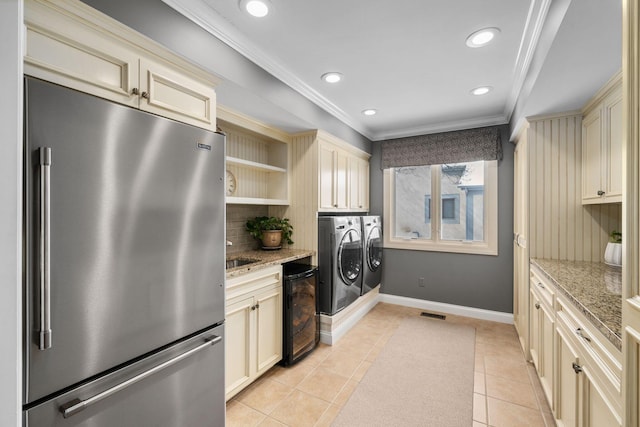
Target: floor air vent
435 316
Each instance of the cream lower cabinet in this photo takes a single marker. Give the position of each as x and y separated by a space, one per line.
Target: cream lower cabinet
588 393
541 334
579 369
73 45
253 327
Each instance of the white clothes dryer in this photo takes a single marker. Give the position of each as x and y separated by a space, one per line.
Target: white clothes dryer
339 262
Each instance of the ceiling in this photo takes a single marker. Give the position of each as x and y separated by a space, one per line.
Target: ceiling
408 58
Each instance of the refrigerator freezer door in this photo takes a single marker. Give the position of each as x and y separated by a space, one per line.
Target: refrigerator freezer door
135 238
187 393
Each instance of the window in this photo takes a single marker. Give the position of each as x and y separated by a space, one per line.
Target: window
463 220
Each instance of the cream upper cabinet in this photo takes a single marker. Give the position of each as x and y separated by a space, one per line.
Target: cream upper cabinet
343 179
358 184
333 177
71 44
253 325
602 146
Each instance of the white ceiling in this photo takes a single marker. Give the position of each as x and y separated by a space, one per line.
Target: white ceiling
408 58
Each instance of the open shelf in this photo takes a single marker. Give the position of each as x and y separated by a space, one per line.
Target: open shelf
254 165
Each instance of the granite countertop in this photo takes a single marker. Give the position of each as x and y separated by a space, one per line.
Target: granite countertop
265 259
594 288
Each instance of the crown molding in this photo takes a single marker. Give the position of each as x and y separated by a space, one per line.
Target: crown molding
204 16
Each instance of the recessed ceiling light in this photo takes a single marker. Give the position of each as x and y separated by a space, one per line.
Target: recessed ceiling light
482 90
482 37
332 77
369 112
257 8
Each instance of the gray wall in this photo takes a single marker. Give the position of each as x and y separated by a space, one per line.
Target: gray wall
158 21
479 281
469 280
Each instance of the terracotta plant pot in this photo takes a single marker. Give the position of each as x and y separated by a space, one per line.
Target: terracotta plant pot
271 238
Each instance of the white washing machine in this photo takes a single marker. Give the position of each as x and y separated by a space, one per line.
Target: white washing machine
339 262
371 253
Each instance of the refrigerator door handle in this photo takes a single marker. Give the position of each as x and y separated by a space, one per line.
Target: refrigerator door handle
73 407
45 249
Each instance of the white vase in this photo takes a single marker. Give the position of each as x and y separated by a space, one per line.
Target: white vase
613 254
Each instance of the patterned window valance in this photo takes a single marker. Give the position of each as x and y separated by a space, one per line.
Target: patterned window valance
448 147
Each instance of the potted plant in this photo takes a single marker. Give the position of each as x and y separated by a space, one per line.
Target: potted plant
613 252
270 230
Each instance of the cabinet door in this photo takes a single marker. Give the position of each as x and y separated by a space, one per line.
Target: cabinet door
567 392
545 371
75 56
341 190
328 160
358 184
170 94
238 332
268 328
592 158
596 410
613 111
534 329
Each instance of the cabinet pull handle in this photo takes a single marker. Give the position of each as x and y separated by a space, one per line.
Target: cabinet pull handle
600 193
541 285
577 368
581 335
537 305
145 95
135 91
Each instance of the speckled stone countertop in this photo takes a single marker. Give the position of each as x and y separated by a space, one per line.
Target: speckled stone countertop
265 259
594 288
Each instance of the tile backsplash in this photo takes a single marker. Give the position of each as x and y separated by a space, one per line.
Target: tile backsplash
237 216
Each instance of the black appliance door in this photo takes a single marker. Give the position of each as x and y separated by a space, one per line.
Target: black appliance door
127 255
350 257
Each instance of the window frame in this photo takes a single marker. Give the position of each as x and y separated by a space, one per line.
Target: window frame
487 247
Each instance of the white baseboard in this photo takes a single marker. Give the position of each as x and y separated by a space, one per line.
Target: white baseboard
459 310
332 328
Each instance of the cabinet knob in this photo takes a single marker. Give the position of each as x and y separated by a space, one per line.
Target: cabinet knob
537 305
577 368
600 193
541 285
335 206
135 91
145 95
253 307
257 306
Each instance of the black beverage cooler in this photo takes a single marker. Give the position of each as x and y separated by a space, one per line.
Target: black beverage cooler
301 322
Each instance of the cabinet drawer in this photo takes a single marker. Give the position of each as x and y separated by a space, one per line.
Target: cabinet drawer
254 281
543 289
596 349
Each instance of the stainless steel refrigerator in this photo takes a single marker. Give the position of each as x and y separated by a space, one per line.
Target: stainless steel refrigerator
123 265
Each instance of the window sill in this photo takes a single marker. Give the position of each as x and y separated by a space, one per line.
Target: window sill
452 247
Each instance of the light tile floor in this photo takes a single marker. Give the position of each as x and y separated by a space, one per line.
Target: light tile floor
312 392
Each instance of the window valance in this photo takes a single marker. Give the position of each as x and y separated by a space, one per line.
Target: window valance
448 147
